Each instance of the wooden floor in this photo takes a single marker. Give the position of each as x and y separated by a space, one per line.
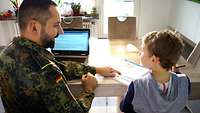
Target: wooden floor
105 105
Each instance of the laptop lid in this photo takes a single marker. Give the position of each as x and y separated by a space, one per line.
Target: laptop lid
72 42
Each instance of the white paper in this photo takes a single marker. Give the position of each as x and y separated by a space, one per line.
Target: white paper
129 70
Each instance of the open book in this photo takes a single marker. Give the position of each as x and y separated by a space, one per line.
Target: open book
129 70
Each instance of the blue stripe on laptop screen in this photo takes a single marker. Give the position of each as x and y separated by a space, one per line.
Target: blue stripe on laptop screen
72 41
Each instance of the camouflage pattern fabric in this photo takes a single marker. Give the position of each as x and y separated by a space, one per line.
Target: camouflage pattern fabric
33 82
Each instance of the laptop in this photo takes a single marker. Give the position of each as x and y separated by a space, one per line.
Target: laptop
72 45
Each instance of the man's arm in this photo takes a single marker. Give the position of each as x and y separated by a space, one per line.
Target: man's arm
57 96
89 83
75 70
58 99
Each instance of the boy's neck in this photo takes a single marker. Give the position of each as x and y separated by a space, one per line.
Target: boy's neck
161 76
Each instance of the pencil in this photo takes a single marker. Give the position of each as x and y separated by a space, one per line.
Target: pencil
180 66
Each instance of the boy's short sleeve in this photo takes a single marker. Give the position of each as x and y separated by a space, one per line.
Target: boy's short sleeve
126 103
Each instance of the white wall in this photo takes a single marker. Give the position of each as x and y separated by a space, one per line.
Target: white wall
185 18
153 15
5 5
8 28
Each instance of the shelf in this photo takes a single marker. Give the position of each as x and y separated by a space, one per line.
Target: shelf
7 18
84 17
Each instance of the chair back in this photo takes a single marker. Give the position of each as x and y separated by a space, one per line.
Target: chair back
122 27
194 57
72 22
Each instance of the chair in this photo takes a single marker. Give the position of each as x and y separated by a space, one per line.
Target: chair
1 106
186 110
194 60
72 22
194 57
122 27
1 48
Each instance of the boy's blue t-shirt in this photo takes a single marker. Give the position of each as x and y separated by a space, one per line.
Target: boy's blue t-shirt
126 103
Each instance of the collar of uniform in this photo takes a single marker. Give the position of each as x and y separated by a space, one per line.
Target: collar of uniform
28 44
24 42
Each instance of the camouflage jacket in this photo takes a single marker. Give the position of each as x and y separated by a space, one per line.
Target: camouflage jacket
32 81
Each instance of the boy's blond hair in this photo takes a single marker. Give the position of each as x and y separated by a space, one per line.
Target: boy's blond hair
164 45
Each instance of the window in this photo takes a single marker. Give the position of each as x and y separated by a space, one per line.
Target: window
65 5
86 5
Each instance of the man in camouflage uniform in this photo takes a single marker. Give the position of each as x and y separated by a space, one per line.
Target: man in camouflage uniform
31 80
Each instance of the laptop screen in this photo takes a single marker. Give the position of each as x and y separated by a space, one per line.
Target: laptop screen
72 42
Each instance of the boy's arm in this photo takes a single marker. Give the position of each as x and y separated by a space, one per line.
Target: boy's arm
126 103
176 70
189 85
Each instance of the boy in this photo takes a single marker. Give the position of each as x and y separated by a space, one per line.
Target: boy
160 91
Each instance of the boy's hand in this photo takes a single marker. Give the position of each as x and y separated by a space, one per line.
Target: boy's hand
89 82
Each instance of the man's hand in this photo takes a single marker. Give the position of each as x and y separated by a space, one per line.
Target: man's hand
89 82
107 71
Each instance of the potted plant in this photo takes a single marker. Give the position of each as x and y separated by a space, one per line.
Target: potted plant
15 5
59 3
76 9
94 13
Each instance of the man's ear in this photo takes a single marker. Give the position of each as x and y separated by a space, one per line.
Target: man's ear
155 59
34 27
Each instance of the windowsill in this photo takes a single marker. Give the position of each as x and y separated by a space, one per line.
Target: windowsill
83 16
7 18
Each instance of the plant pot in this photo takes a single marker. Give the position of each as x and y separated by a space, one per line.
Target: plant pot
76 13
16 12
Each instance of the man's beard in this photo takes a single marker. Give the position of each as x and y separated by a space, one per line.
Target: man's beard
47 42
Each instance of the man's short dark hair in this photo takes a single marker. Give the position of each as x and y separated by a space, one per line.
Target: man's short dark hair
165 45
34 9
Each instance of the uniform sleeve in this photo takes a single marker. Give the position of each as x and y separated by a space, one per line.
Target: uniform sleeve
57 96
75 70
126 103
85 100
